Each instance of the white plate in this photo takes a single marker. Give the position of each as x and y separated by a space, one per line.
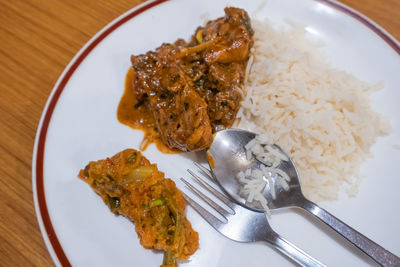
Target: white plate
79 124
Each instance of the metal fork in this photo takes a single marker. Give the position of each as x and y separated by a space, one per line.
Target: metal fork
243 225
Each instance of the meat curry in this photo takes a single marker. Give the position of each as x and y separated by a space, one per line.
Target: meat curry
133 187
182 93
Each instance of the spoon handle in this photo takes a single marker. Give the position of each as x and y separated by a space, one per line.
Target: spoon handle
369 247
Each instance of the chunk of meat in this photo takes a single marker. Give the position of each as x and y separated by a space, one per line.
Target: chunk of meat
133 187
194 89
233 33
180 113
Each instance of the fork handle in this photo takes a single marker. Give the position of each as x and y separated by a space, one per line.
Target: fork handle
293 252
369 247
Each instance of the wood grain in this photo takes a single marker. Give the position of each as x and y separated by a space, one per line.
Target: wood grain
37 40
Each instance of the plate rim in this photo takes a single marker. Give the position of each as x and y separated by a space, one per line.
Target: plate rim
43 217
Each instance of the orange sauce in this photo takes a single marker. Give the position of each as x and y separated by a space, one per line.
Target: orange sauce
139 118
210 160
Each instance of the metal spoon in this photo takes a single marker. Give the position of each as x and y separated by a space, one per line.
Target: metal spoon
228 157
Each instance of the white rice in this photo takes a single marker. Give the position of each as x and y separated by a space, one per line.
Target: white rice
254 181
319 115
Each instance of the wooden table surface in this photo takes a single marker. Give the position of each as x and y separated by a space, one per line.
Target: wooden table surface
37 40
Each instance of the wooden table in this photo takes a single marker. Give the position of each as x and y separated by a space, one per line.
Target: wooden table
37 40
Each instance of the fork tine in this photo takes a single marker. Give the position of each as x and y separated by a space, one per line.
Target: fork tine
206 171
211 219
216 193
210 202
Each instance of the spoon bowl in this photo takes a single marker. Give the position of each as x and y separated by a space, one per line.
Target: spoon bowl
229 155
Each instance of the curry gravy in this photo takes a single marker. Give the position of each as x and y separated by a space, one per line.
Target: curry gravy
139 117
